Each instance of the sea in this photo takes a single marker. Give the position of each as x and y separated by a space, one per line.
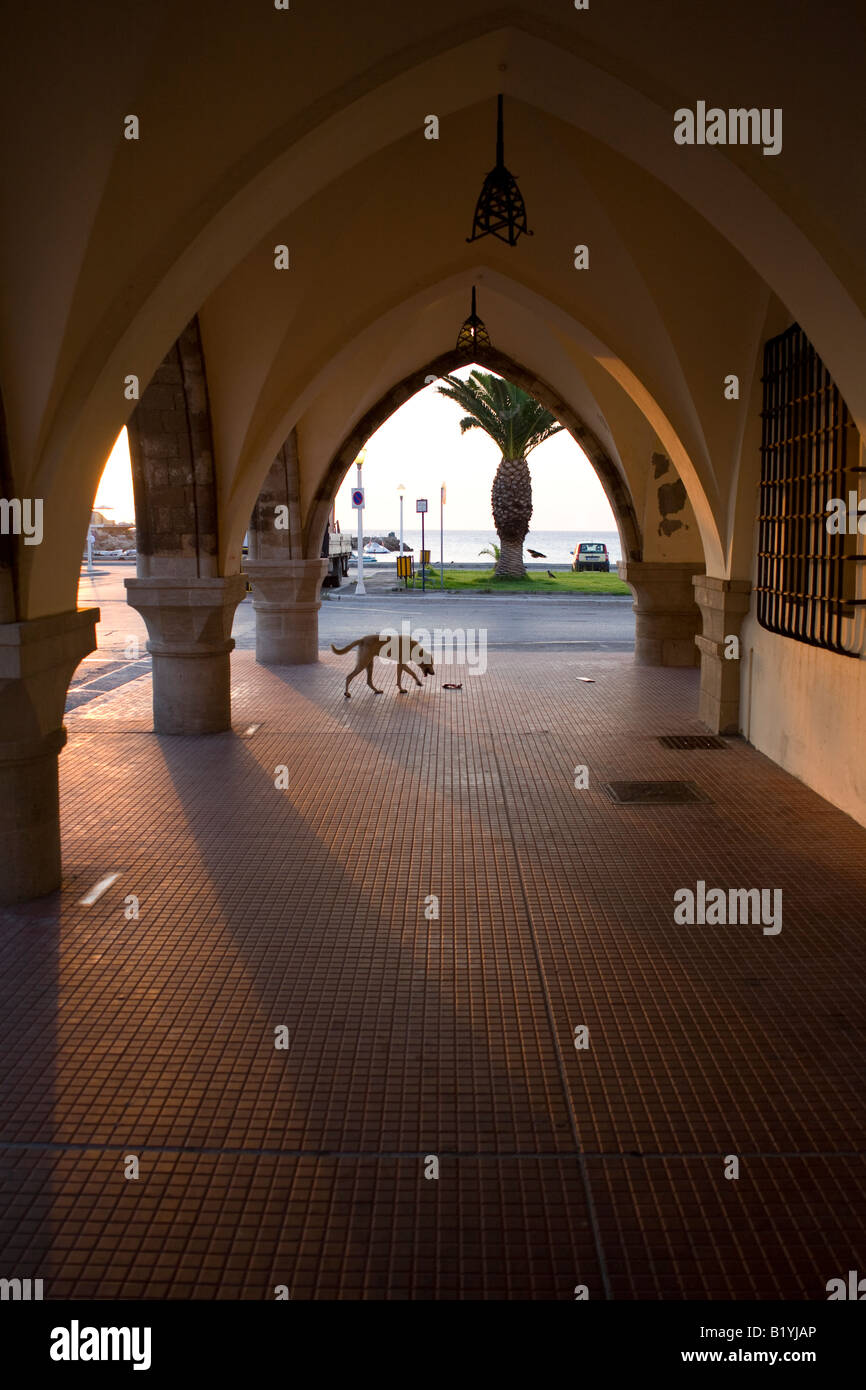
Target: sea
462 547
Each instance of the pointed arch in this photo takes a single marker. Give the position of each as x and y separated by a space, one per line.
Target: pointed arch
615 487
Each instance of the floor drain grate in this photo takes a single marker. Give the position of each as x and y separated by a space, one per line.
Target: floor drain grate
653 793
692 741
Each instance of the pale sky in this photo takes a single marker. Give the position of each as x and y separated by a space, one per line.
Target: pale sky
114 494
421 447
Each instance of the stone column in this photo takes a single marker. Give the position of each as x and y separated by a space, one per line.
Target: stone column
287 599
189 623
667 618
37 659
723 604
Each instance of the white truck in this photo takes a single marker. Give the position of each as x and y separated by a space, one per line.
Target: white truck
338 549
335 547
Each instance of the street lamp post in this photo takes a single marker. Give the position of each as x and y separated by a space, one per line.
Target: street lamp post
359 587
400 492
442 537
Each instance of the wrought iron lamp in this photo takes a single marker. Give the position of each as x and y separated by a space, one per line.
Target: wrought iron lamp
500 210
473 335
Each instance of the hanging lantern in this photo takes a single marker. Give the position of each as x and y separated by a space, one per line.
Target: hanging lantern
473 335
500 210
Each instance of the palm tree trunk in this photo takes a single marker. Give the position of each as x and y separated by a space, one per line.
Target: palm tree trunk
510 563
511 499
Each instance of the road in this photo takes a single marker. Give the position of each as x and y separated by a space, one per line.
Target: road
573 622
548 622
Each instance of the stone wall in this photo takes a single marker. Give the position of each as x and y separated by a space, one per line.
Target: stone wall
171 448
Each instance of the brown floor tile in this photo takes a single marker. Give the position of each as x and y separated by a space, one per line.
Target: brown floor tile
409 1036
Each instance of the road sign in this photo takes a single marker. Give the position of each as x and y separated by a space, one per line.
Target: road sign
421 504
357 497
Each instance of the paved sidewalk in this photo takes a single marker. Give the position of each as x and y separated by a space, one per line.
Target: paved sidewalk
541 622
413 1037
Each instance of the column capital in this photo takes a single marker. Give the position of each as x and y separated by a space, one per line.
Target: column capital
666 614
287 599
709 588
723 604
38 643
37 659
189 625
277 582
187 616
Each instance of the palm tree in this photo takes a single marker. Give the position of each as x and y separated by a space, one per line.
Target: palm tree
517 424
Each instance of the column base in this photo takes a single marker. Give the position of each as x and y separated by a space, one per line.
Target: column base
723 604
667 618
189 623
37 659
287 599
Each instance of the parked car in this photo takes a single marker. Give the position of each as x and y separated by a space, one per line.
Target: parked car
590 555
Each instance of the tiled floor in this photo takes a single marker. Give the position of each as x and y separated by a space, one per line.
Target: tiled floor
413 1037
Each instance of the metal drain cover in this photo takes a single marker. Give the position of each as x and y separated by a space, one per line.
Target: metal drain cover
653 793
691 741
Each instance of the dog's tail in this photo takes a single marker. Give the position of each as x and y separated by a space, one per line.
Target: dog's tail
341 651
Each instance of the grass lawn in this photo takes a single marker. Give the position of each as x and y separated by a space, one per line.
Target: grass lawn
483 582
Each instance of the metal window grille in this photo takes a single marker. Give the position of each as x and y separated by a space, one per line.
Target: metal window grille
806 582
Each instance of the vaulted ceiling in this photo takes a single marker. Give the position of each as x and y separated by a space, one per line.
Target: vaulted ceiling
306 127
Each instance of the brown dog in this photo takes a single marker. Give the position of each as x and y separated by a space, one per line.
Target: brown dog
399 649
